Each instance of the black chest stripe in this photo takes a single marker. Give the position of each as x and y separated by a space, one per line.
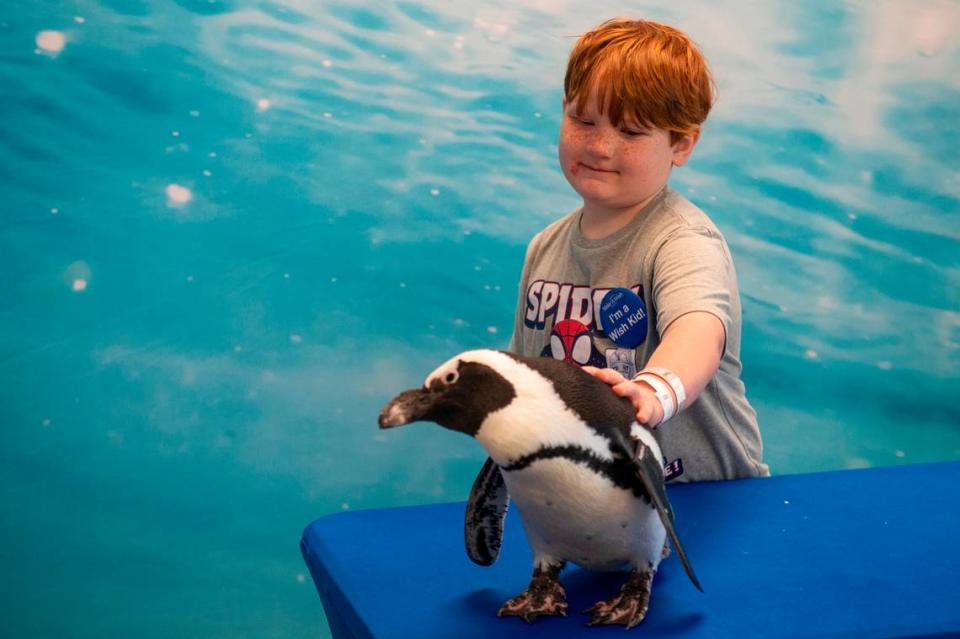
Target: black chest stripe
622 473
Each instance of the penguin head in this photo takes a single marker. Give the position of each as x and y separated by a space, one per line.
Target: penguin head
458 395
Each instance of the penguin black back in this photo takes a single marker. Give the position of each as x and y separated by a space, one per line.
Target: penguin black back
586 395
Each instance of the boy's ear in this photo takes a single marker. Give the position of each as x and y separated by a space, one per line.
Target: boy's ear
683 147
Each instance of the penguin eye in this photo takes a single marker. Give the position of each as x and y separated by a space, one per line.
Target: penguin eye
451 377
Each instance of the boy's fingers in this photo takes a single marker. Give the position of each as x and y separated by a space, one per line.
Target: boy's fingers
649 414
626 389
609 376
590 369
645 415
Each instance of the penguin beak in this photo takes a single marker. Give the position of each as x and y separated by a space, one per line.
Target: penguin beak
409 406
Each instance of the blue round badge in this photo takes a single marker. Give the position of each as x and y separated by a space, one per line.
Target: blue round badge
623 316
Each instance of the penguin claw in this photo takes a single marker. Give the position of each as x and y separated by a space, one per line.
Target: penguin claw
544 599
618 611
628 608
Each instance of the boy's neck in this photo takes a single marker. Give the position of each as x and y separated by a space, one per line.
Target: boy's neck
598 222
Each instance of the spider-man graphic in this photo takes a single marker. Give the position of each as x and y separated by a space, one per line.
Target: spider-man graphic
572 342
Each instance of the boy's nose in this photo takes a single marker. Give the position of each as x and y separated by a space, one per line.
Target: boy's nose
600 142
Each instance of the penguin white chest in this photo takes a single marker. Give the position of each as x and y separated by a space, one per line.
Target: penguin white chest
572 513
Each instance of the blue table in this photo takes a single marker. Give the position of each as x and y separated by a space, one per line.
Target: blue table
857 553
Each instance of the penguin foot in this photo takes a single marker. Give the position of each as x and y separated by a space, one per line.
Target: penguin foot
629 607
544 597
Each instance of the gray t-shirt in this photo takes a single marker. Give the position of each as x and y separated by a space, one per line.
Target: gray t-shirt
676 260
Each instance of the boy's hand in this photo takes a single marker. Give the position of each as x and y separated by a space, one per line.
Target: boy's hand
649 411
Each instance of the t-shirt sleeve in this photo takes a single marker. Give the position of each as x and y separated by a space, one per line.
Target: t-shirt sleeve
516 340
693 271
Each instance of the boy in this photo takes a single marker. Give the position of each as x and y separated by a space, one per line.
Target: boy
635 94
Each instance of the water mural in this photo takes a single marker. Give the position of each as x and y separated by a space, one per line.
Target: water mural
231 230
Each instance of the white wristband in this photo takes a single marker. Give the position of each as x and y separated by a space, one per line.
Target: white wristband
675 383
662 392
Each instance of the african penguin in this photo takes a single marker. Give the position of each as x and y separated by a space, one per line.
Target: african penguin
586 477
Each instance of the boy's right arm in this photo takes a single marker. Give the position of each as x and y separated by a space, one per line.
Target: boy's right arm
691 348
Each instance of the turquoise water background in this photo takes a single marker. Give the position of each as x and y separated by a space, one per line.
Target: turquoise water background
231 230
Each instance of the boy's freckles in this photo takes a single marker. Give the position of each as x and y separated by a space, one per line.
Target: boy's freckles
585 155
612 166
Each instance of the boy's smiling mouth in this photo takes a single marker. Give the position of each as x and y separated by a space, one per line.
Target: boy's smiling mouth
596 169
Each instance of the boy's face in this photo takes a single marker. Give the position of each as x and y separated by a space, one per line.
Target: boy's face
613 168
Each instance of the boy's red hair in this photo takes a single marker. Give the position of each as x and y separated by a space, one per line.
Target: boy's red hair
644 72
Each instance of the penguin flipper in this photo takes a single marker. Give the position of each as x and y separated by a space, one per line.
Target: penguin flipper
486 510
650 472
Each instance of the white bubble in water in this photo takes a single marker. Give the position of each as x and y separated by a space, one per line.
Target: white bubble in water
54 211
811 354
327 63
194 114
492 330
434 192
51 41
301 578
78 276
327 114
79 19
295 339
263 104
178 195
207 173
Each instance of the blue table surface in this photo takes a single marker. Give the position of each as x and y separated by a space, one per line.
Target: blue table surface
855 553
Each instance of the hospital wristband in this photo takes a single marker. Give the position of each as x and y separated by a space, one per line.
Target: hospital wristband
661 391
679 392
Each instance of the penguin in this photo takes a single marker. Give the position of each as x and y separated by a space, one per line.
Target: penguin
586 478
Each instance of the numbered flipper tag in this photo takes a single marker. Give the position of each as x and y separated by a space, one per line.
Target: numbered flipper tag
623 316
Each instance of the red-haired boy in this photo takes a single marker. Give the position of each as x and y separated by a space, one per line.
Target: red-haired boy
635 95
